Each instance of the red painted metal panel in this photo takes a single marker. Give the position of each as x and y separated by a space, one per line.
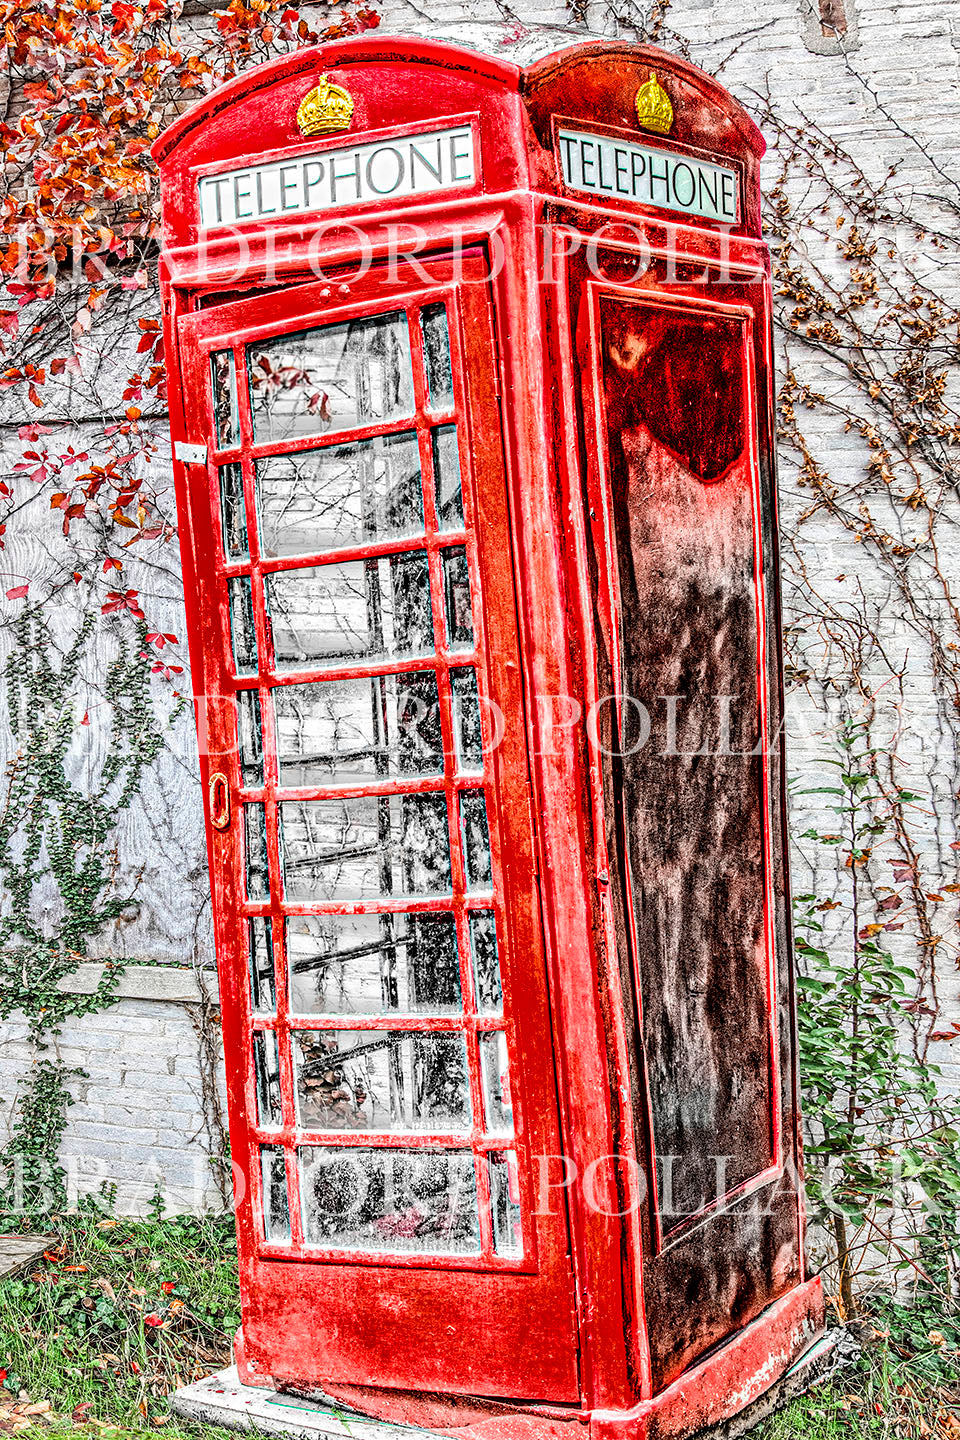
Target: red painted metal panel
677 498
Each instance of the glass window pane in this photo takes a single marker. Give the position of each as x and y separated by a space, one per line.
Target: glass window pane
276 1210
250 737
456 594
363 609
266 1065
336 377
226 417
243 634
341 495
356 848
373 964
446 477
496 1083
255 850
381 1080
466 719
505 1202
475 838
486 966
233 512
390 1200
260 955
344 731
436 355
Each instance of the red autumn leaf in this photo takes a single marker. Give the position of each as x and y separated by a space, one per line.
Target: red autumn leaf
168 1286
18 592
154 1321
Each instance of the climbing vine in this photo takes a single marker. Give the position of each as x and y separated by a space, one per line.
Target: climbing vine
58 860
869 411
85 504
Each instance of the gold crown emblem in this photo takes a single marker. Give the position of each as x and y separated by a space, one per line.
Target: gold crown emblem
654 110
327 107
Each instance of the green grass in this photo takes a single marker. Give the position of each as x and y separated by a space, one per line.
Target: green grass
118 1314
903 1387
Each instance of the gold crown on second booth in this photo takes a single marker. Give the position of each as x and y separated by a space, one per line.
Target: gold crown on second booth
654 110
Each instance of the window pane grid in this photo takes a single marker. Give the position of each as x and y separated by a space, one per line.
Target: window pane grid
454 648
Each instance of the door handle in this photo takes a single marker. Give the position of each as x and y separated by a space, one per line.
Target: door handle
219 801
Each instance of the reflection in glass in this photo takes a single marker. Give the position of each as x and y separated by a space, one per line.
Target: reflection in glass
436 356
260 958
393 1081
505 1202
226 417
486 966
233 512
496 1082
255 849
390 1200
266 1069
456 594
342 731
335 377
446 477
250 737
370 609
352 849
340 495
243 634
373 964
466 719
475 838
276 1210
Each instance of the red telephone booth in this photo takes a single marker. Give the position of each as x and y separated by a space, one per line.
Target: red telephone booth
473 432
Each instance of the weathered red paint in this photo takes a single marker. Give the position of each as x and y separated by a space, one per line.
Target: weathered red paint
612 385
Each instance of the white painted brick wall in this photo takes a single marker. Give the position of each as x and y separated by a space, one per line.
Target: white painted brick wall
138 1114
137 1120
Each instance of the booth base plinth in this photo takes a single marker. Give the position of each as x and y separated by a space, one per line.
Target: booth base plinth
224 1400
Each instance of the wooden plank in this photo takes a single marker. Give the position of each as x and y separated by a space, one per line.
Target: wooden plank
19 1251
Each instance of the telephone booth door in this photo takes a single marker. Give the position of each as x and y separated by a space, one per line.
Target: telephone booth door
374 883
